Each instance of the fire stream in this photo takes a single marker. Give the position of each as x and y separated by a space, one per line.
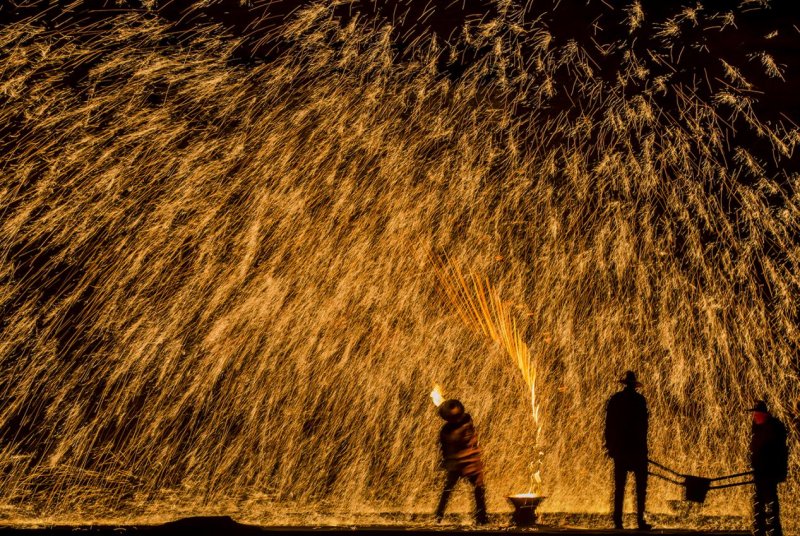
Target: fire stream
481 308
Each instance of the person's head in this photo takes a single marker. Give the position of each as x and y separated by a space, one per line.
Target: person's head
451 410
629 380
760 412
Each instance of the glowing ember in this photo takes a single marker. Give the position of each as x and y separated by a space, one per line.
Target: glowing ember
436 396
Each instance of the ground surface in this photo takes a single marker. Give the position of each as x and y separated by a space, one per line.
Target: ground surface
225 526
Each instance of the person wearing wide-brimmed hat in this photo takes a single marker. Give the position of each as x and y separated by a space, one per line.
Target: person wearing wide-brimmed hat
626 444
461 457
769 459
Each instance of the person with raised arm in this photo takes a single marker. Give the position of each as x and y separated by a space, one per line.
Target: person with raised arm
461 457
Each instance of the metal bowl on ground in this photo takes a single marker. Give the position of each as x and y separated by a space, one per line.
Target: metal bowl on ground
525 508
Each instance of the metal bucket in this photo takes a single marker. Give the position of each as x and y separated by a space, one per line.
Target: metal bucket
696 488
525 509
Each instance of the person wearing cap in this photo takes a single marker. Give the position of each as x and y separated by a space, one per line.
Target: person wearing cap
461 457
626 444
769 459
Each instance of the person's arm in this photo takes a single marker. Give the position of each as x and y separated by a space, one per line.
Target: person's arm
609 433
783 446
470 436
441 449
646 420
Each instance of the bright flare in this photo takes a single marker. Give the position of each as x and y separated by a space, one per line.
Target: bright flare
436 395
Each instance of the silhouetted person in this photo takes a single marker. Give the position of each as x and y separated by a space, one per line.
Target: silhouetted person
461 457
769 458
626 444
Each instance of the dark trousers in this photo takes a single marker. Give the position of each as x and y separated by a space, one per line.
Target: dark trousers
766 510
480 496
621 471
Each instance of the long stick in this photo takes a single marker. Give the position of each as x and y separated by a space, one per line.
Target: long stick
746 473
733 484
668 479
665 468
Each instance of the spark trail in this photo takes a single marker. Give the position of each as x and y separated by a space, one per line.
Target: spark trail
483 310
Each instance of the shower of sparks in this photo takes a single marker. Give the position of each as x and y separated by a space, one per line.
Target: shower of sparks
481 308
211 290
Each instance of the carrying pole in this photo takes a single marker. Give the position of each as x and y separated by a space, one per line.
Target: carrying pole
668 470
732 484
737 475
665 468
696 487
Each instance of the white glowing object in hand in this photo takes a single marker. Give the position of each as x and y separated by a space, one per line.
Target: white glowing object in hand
436 395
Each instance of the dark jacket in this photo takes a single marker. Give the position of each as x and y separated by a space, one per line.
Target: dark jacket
769 453
460 452
626 427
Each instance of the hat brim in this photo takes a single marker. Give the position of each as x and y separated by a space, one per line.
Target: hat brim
635 384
